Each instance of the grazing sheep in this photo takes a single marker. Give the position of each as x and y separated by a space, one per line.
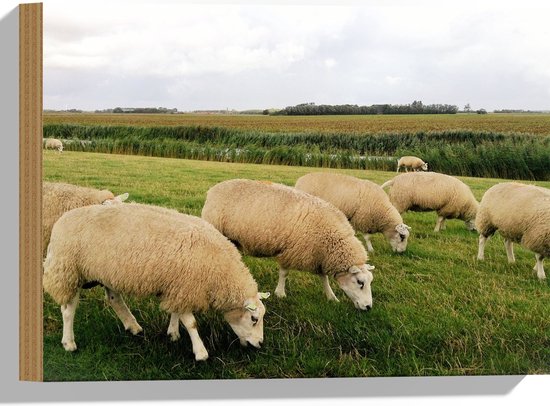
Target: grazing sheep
412 162
143 250
520 213
363 202
58 198
301 231
431 191
53 143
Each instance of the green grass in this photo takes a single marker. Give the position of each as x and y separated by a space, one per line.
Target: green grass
437 311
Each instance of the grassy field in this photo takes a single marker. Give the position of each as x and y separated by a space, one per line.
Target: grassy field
451 149
437 311
502 123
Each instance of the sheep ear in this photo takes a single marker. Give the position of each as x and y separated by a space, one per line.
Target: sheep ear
263 295
369 267
251 307
354 269
402 228
121 198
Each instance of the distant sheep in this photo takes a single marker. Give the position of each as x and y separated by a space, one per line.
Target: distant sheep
431 191
301 231
412 162
53 143
58 198
363 202
144 250
521 214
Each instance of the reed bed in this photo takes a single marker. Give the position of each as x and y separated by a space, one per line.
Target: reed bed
456 152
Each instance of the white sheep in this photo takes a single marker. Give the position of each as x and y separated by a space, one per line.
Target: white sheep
301 231
143 250
431 191
412 162
521 214
53 143
58 198
363 202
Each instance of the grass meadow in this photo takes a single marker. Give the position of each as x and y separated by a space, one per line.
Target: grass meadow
462 145
436 309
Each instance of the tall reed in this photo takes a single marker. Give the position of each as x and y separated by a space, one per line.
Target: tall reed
460 152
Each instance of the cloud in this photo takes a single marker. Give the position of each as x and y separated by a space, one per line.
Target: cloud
182 39
253 56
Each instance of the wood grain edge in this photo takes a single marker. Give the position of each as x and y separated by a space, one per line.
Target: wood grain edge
30 192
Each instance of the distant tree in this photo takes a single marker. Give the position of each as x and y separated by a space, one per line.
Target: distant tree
481 111
117 110
416 107
467 108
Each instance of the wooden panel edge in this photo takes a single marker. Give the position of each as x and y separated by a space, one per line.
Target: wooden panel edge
30 192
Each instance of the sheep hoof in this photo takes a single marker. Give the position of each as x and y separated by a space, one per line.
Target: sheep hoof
135 329
174 336
69 346
201 355
280 293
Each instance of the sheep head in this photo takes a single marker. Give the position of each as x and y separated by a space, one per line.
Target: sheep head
116 199
355 282
248 321
398 237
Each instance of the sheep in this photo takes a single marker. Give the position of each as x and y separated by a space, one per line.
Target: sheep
431 191
143 250
363 202
301 231
53 143
521 214
57 198
412 162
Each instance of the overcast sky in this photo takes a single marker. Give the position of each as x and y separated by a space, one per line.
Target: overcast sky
215 56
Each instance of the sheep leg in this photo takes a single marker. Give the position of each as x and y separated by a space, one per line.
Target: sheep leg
439 223
124 314
539 267
174 327
369 244
510 251
190 324
481 251
280 289
68 312
328 290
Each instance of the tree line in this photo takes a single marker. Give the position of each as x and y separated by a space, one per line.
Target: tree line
416 107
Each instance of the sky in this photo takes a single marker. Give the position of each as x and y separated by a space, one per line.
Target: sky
241 55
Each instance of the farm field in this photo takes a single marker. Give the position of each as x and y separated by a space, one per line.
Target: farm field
463 145
502 123
436 309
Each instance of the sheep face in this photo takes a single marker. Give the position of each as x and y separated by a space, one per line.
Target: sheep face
424 166
248 322
115 199
470 225
356 285
398 237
